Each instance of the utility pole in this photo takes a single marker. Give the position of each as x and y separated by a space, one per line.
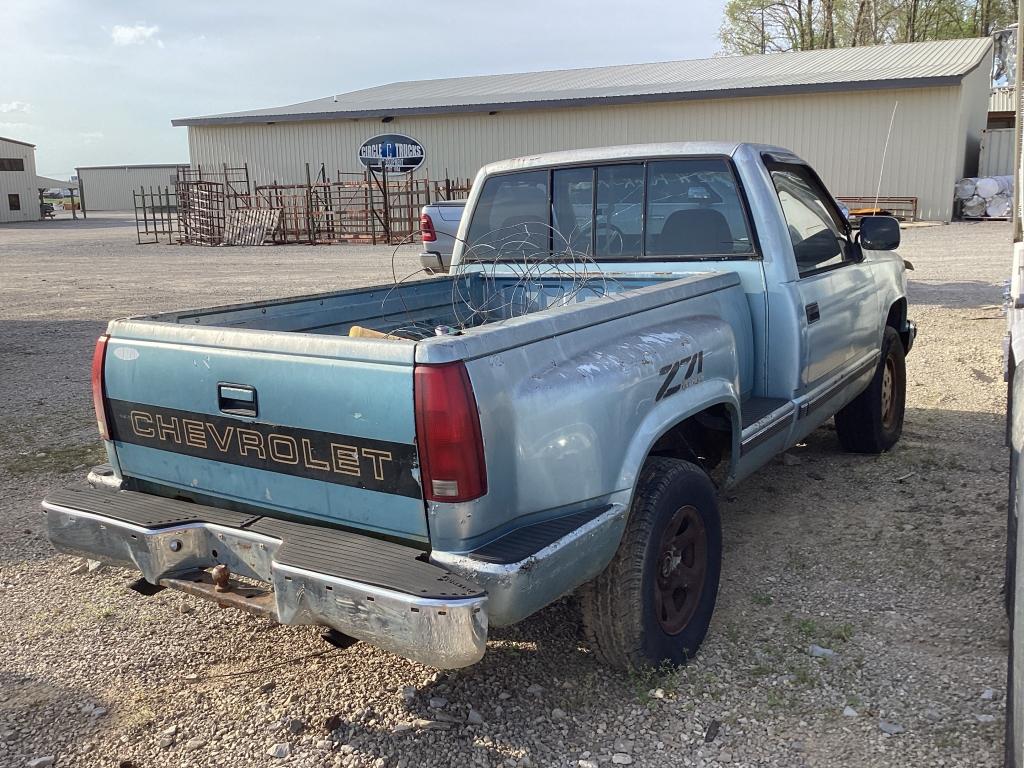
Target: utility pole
762 28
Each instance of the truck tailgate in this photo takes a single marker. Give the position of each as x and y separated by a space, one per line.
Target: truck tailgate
313 426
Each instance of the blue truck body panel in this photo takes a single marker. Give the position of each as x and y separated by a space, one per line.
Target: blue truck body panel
325 394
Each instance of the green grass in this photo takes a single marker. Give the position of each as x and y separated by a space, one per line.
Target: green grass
841 632
57 459
808 628
797 561
648 679
822 633
803 676
947 740
98 612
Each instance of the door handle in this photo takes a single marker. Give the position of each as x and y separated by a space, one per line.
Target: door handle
237 399
813 313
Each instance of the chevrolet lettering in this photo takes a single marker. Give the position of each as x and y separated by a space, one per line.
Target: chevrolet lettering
360 462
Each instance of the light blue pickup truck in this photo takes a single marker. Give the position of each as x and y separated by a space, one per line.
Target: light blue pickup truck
625 331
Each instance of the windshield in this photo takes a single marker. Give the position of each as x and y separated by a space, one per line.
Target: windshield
687 208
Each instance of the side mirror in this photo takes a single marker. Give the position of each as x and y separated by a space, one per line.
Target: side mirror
879 233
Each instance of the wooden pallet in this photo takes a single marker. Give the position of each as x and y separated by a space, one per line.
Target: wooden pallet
901 208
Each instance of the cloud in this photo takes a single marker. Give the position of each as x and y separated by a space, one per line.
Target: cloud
90 137
137 34
16 106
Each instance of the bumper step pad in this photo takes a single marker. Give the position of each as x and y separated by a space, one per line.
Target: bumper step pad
353 556
531 539
145 509
308 546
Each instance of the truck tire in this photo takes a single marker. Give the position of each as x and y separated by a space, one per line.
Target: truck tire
652 605
873 421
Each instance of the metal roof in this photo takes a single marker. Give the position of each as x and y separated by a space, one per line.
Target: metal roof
903 65
129 167
15 141
46 182
616 154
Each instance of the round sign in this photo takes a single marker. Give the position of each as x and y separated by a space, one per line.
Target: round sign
392 151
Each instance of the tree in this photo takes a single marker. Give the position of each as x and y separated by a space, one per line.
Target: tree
767 26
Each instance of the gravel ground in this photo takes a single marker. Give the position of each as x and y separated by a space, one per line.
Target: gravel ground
892 563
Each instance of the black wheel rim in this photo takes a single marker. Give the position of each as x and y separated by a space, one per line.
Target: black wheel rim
888 393
681 567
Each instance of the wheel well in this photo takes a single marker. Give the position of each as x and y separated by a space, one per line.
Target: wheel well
705 439
897 315
897 320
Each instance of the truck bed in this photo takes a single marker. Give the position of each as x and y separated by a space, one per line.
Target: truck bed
273 406
414 310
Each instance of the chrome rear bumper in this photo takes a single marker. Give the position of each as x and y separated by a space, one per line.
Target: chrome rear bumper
908 336
433 261
444 633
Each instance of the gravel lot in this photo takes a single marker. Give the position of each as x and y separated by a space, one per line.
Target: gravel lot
894 563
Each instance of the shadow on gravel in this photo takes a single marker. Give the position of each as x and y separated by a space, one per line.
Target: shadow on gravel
39 360
29 700
65 225
957 294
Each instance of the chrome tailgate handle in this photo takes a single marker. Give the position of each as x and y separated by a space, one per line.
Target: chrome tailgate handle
237 399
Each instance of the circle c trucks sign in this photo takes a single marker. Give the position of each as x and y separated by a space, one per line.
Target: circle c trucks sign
392 152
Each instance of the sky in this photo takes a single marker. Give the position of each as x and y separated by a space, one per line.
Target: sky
97 82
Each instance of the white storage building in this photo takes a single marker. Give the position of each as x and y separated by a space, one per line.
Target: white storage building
19 196
110 187
832 107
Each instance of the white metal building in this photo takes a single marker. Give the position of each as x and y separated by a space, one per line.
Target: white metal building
832 107
19 197
110 187
996 152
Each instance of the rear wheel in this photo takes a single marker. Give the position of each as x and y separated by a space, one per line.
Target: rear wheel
653 603
873 421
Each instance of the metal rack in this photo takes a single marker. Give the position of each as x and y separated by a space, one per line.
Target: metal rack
156 214
370 207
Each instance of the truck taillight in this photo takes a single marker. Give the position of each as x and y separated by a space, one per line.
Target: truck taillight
98 356
451 449
427 228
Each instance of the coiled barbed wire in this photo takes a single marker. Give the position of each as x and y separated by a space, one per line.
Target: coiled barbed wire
505 274
518 276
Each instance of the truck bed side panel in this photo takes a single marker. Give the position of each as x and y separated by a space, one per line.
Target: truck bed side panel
563 411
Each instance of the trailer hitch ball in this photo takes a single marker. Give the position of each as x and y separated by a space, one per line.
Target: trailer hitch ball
221 575
175 545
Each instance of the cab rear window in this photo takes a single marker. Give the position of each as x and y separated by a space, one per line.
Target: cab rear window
664 210
510 219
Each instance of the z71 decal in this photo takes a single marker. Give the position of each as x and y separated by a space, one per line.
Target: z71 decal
376 465
693 365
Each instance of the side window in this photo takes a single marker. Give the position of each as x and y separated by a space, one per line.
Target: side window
572 210
511 217
694 209
619 225
14 202
819 241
